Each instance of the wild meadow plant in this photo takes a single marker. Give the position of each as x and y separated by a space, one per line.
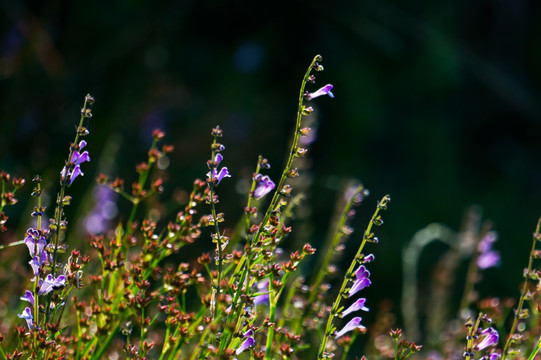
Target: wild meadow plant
126 295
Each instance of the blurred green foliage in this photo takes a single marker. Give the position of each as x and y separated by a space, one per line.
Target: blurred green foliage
437 103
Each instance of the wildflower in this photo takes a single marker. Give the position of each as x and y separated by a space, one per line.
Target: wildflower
262 286
248 343
76 159
490 338
487 257
325 90
354 323
28 296
361 280
357 305
35 242
27 315
217 176
264 186
47 285
368 258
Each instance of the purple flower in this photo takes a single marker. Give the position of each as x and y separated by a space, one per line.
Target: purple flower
487 257
354 323
47 285
27 315
368 258
490 337
264 186
217 176
36 262
28 296
361 281
35 242
248 343
262 286
325 90
77 158
356 306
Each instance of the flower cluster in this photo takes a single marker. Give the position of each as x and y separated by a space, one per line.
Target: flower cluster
362 280
36 242
71 171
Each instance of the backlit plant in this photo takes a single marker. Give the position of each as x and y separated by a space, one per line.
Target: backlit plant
131 293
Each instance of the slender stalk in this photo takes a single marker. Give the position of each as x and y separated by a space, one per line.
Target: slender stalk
368 236
536 350
59 211
329 253
518 311
293 149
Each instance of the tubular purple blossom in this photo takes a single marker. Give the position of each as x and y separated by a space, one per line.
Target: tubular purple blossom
262 299
35 246
356 306
214 174
248 343
47 285
368 258
353 324
27 315
264 186
490 338
28 296
325 90
358 285
361 280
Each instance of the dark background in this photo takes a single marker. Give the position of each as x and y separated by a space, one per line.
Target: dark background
437 104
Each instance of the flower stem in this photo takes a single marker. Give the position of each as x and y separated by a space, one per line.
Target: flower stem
368 236
518 311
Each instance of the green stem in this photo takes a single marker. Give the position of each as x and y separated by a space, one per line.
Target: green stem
293 149
272 314
518 311
338 234
368 236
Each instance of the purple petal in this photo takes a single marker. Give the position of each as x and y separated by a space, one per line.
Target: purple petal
488 259
356 306
486 242
361 272
325 90
82 158
27 315
249 342
35 264
261 299
76 172
368 258
222 174
82 144
46 286
35 247
491 337
28 296
264 186
60 281
358 285
218 158
353 324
